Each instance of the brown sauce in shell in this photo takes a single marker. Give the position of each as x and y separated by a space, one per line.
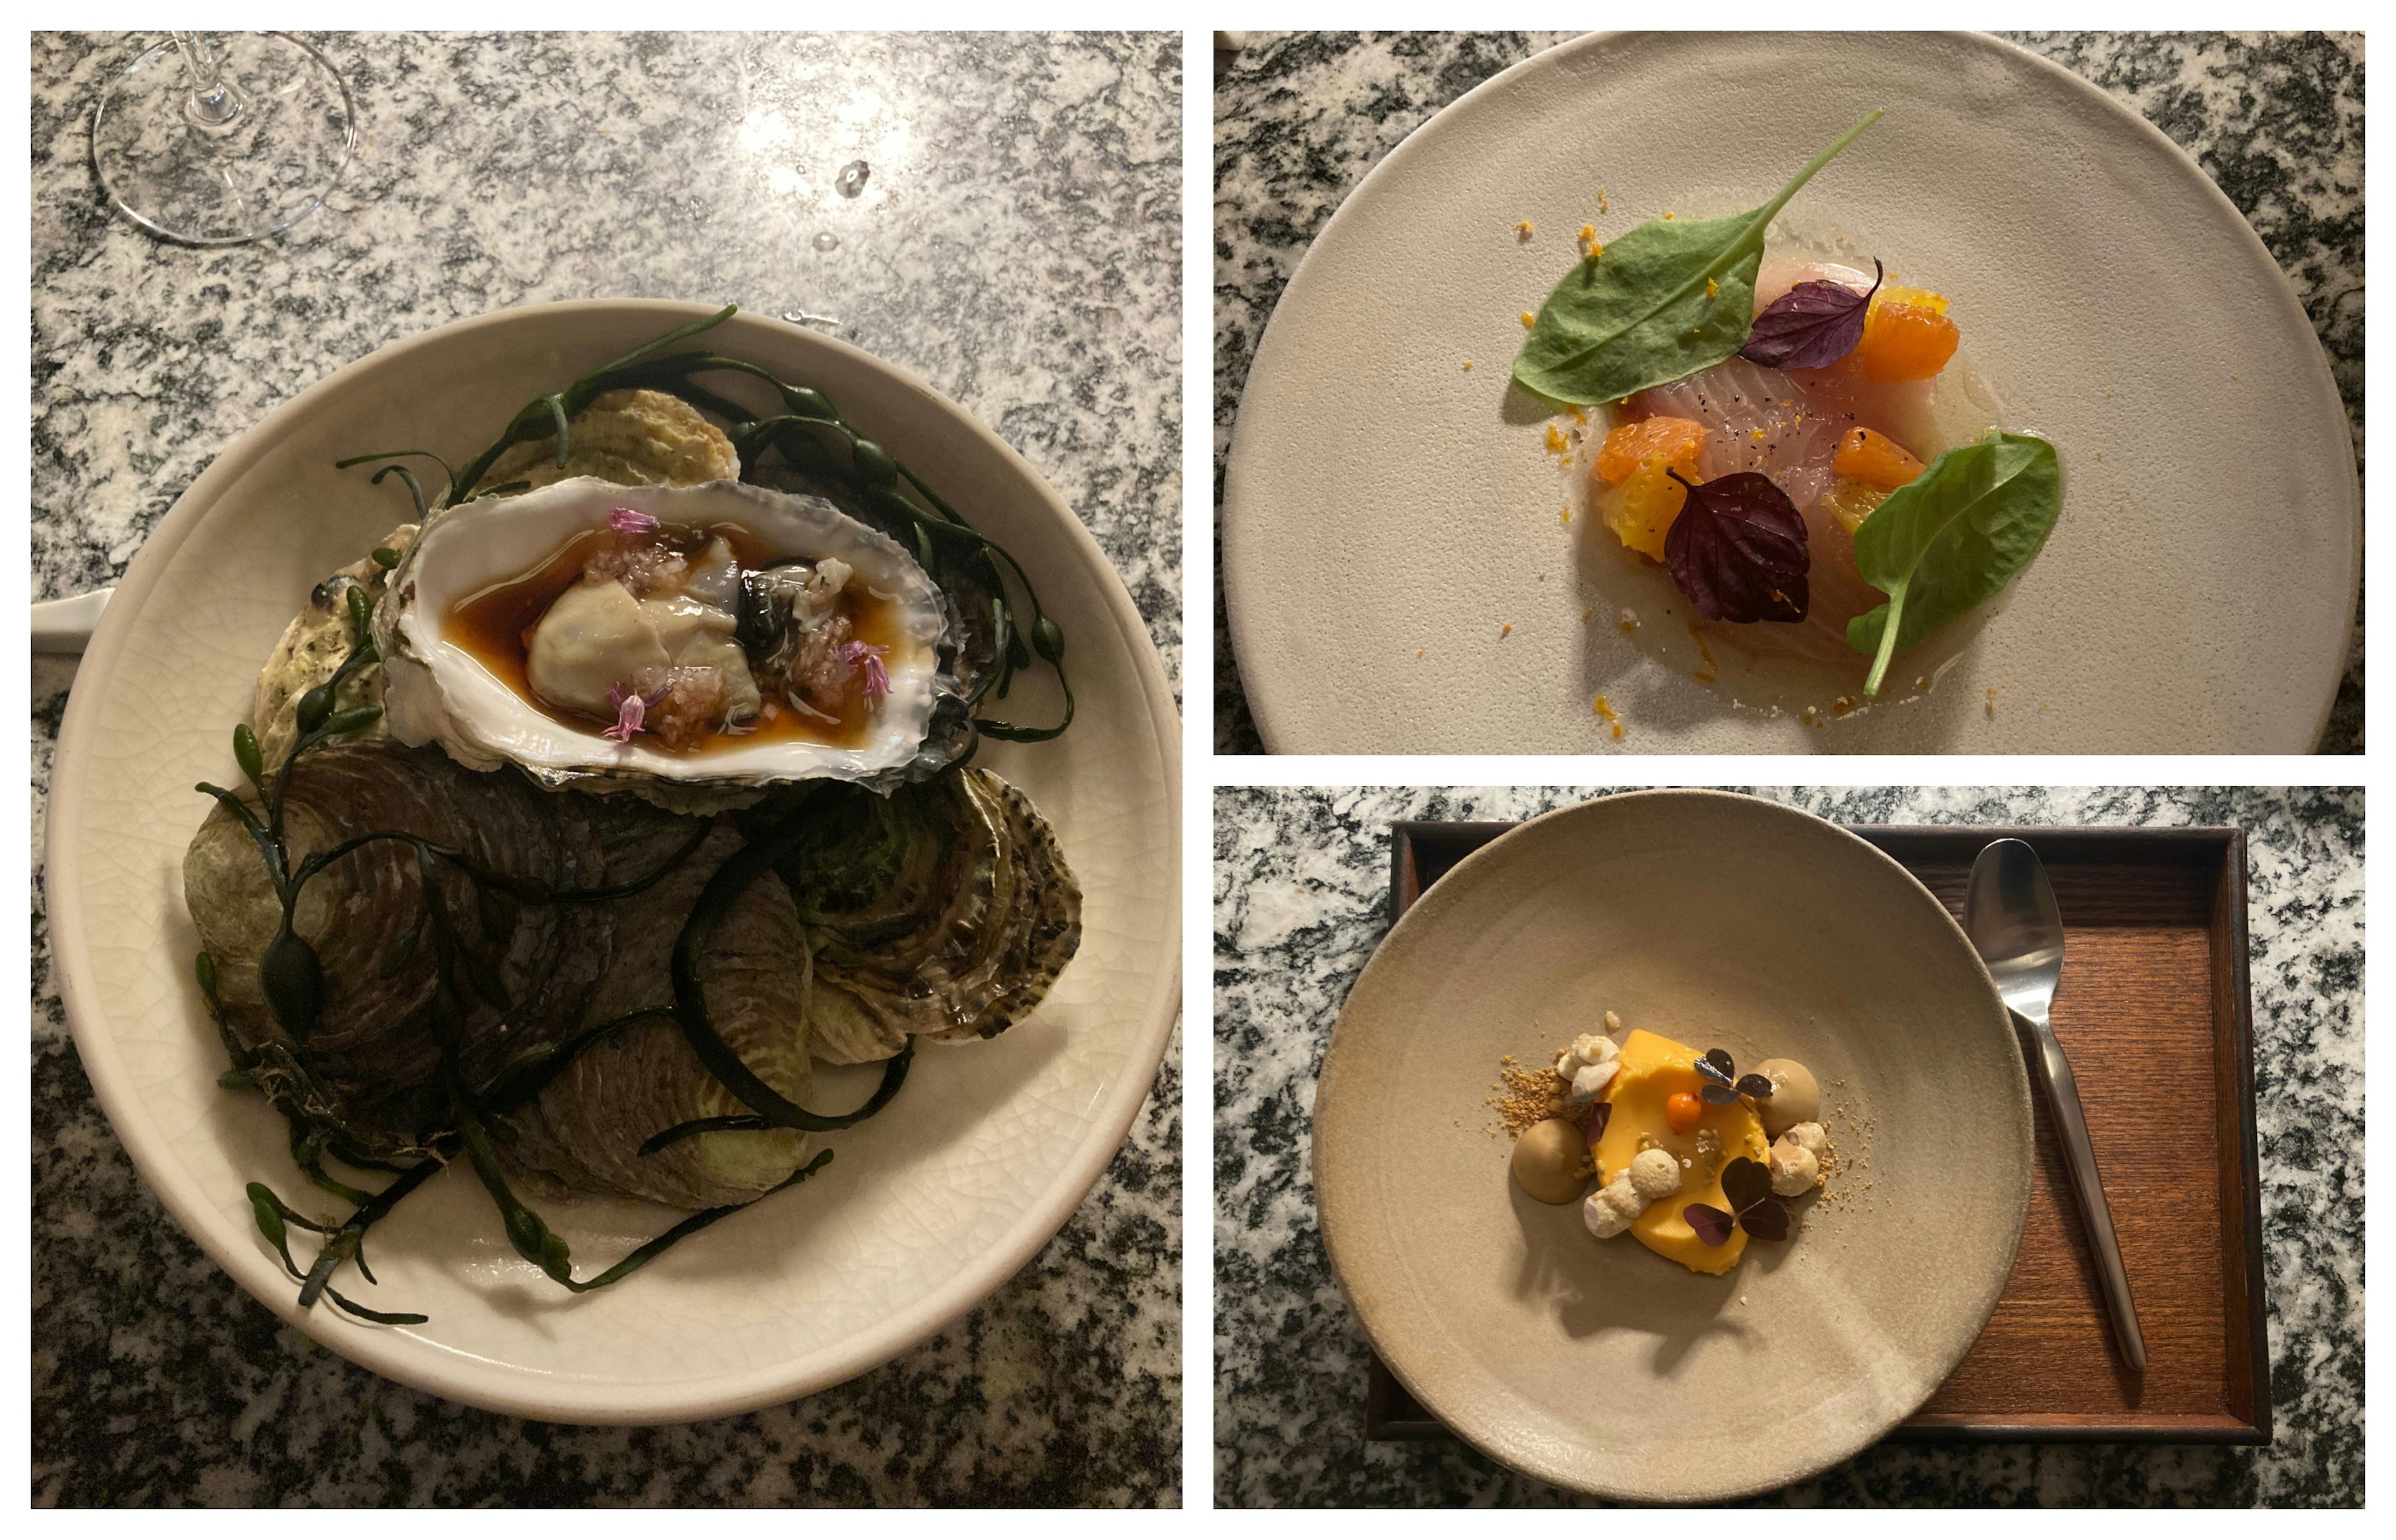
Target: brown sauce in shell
495 625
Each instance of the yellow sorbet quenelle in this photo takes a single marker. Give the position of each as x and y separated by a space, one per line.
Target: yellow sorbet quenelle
1655 1069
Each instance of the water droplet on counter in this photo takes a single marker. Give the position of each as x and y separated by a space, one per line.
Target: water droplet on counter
852 179
827 241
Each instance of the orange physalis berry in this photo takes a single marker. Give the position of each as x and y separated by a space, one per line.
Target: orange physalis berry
1682 1110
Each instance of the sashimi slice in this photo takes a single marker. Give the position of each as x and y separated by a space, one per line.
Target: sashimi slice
1787 424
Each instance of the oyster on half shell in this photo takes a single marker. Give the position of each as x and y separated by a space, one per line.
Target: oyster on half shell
734 617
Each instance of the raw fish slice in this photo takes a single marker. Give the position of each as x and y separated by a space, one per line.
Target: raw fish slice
1774 279
1786 424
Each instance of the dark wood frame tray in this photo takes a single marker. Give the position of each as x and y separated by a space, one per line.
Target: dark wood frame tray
2153 1010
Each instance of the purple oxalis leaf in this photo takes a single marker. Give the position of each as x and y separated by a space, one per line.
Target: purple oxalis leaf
1746 1183
1711 1223
1812 326
1765 1221
1738 550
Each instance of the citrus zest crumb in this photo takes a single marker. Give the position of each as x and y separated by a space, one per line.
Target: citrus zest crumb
1608 714
1522 229
1529 320
1506 630
1601 204
1714 291
1557 442
1467 365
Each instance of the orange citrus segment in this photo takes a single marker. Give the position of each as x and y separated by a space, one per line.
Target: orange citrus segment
1641 510
1677 439
1875 459
1851 502
1905 341
1897 294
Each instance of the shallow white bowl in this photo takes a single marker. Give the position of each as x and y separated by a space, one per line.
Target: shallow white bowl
1385 511
924 1209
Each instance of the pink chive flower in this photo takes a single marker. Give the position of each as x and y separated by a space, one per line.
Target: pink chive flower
631 521
877 677
630 710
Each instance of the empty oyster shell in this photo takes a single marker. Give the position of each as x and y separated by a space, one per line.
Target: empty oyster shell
445 683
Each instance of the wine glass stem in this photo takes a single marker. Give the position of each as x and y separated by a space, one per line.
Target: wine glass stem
215 103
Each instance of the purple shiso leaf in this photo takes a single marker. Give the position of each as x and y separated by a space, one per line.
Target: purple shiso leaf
1711 1223
1738 550
1812 326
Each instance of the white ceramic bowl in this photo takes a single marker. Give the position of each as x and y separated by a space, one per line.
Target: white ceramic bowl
924 1209
1385 511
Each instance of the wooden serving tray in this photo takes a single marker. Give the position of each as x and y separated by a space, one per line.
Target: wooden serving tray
2152 1010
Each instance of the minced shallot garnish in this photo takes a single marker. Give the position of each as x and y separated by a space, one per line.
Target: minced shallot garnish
631 521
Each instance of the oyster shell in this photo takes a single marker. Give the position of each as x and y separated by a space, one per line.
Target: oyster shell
311 652
944 911
436 689
634 438
366 1080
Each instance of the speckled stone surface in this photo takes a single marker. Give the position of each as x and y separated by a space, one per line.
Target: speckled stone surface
2276 120
1018 243
1301 892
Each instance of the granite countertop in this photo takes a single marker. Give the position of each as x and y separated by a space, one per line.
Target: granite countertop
2276 120
1018 244
1301 892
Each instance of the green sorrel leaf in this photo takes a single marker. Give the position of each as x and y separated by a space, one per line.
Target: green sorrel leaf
1670 297
1951 538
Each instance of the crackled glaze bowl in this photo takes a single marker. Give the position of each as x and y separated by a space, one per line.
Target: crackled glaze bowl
924 1210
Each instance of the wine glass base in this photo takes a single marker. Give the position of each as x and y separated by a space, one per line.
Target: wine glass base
269 168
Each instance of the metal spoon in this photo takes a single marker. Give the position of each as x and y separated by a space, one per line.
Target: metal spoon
2010 914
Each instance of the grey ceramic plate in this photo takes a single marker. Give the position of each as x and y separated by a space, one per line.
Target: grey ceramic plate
1722 921
1386 512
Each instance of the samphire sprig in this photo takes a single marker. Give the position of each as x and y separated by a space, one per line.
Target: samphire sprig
805 432
291 979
